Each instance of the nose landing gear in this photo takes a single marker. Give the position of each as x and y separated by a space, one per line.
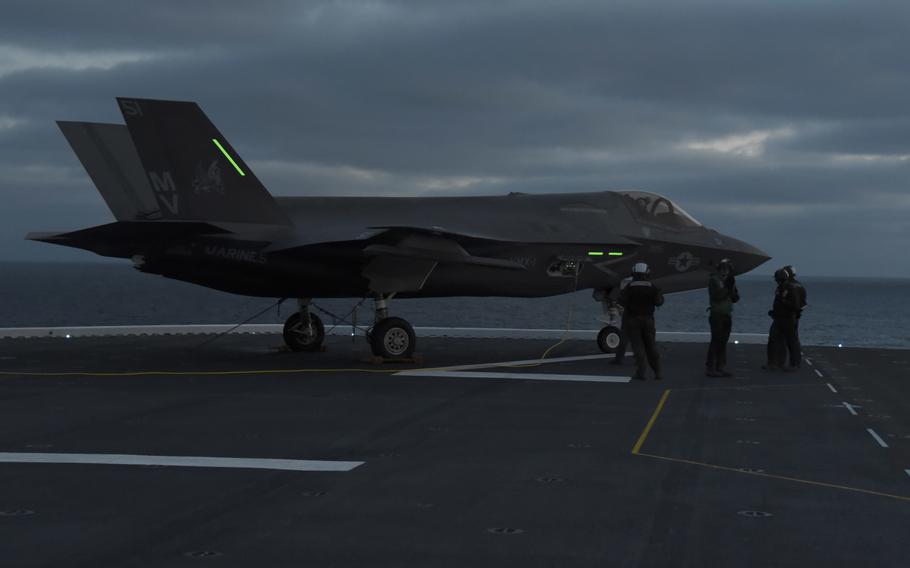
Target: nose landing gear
611 338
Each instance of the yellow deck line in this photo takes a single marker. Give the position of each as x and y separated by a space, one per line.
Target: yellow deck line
647 430
252 371
779 477
660 405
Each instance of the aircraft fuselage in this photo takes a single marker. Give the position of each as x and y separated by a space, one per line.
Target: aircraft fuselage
540 234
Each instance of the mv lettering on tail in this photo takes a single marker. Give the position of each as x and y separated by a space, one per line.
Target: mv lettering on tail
165 191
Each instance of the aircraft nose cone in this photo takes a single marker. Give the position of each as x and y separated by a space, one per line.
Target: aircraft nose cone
747 257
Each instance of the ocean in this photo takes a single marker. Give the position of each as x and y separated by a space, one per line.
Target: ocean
854 312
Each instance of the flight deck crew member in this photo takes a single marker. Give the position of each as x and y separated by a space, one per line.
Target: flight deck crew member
782 337
790 272
722 294
800 291
620 355
639 299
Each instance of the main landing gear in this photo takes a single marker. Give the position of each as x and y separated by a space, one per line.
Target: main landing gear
610 339
390 338
303 331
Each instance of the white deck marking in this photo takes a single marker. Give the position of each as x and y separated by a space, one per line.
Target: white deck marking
834 390
523 376
808 361
180 461
460 371
877 437
819 373
850 408
527 362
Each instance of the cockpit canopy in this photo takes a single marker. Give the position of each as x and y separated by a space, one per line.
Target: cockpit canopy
657 210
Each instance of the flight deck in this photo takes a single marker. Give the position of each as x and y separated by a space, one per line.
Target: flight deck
182 451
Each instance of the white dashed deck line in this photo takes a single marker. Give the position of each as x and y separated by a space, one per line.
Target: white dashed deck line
819 373
849 407
877 437
809 361
180 461
830 386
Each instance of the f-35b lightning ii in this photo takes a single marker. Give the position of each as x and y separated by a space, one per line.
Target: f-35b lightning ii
188 207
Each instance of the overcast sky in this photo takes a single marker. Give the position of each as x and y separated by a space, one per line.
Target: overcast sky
783 123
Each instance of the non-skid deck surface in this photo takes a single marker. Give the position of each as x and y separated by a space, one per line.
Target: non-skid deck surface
434 469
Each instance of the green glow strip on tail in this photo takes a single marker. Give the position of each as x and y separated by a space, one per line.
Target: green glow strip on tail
228 156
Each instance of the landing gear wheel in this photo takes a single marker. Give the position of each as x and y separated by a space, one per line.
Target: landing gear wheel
610 339
392 338
299 338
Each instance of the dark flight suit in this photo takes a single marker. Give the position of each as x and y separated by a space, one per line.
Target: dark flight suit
624 333
722 294
783 336
621 348
639 299
801 302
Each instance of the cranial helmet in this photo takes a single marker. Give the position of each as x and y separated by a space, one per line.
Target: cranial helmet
789 271
640 270
780 275
725 264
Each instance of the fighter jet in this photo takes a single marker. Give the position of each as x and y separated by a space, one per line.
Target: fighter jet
188 207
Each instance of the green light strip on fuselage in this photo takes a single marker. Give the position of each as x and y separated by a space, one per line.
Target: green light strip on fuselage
228 156
615 254
595 254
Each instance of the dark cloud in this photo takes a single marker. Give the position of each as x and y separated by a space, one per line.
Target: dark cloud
784 123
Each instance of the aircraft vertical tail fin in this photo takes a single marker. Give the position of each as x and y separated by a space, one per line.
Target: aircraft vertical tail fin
192 170
110 159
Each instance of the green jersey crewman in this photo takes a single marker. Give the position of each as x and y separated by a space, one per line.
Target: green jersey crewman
723 294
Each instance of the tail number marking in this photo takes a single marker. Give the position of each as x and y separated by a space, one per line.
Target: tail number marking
131 108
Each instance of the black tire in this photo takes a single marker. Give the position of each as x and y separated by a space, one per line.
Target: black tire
610 339
298 338
392 338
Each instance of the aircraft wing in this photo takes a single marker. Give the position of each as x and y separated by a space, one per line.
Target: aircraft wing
404 257
425 243
456 235
342 233
400 258
436 246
